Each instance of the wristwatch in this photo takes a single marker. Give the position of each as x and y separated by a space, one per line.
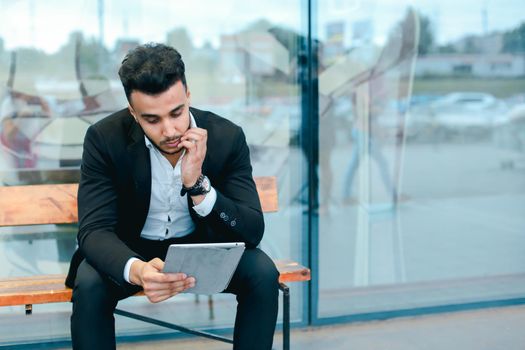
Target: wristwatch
202 186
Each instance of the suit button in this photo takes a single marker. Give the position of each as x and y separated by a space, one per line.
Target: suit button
226 218
233 223
222 215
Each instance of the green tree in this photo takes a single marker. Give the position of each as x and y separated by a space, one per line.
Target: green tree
448 48
93 58
426 35
514 40
180 39
471 46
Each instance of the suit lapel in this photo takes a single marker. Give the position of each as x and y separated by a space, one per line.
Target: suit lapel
140 168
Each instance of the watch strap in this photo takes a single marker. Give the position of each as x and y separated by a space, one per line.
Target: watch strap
197 188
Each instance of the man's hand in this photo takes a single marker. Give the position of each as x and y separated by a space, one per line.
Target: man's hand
194 140
158 286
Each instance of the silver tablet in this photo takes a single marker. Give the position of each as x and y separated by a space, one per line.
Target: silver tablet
212 264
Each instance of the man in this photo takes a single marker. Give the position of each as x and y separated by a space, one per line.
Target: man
157 173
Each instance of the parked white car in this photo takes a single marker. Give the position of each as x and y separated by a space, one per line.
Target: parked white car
460 112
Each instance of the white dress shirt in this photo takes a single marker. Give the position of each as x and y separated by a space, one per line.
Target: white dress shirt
168 215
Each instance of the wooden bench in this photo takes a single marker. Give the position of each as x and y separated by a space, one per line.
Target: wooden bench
57 204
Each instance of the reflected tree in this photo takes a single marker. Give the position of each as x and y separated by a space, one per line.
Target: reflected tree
180 39
426 35
514 40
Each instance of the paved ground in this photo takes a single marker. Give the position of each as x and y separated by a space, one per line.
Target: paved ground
488 329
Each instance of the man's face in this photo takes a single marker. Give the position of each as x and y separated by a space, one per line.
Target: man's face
164 117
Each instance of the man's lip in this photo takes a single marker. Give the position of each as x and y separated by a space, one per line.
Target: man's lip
172 144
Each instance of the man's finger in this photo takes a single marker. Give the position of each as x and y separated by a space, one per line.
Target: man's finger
163 294
183 285
188 144
190 282
180 285
197 135
157 298
157 292
163 278
164 288
196 131
157 264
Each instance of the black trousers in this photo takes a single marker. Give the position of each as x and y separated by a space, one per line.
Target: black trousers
255 284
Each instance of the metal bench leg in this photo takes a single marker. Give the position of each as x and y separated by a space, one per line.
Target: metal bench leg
286 315
286 321
172 326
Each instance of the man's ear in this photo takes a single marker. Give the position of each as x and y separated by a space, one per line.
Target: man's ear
132 112
188 96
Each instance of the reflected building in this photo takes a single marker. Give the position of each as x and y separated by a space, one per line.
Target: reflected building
471 65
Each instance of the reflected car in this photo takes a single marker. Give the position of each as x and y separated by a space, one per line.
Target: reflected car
467 112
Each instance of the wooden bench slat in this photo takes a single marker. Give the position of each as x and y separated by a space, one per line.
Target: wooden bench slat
36 298
291 271
57 204
30 285
51 289
39 289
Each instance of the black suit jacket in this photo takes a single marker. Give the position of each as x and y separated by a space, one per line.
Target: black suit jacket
115 188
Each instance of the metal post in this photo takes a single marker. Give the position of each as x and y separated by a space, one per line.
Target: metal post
286 315
210 307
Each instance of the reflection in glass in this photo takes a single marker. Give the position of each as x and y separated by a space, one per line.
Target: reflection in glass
427 153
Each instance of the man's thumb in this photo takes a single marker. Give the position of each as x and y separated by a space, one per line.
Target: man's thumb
157 263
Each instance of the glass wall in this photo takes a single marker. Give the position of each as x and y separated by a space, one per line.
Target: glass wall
421 156
58 75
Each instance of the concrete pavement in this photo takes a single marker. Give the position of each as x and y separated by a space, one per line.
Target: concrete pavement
486 329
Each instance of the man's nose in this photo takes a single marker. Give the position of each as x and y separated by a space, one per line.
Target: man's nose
168 128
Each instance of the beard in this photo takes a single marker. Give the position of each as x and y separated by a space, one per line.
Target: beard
160 149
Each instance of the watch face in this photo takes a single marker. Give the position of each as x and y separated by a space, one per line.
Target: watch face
206 186
203 186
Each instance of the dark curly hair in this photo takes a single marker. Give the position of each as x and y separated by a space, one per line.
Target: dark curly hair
152 69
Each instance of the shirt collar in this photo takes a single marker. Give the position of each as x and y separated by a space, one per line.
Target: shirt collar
193 124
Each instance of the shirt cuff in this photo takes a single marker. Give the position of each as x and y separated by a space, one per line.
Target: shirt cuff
205 207
127 268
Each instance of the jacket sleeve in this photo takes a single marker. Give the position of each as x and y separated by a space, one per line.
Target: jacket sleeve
237 214
98 212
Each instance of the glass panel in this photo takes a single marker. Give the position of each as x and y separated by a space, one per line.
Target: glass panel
59 76
421 154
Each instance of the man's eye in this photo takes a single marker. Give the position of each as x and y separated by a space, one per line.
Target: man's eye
175 115
152 121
